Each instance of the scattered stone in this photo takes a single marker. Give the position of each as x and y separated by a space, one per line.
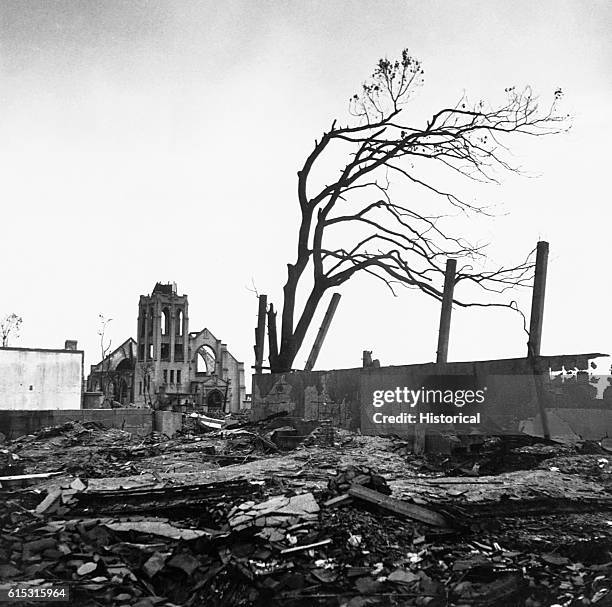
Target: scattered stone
50 503
87 568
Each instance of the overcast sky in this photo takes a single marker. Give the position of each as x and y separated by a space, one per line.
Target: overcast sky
150 141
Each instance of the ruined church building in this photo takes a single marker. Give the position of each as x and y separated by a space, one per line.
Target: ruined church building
167 366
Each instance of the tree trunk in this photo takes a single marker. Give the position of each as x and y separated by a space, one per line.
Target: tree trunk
291 343
287 352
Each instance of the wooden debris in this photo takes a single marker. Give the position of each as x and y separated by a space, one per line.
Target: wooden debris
339 499
26 477
50 502
306 547
462 480
396 506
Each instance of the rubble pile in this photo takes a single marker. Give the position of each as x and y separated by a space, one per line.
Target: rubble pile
352 475
87 449
343 524
322 436
92 451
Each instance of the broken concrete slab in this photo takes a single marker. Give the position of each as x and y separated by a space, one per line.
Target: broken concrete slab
277 512
160 528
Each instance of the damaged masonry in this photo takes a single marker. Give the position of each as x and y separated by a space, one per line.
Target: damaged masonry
240 516
309 498
152 479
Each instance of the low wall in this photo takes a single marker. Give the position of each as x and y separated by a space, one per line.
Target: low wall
16 423
93 400
347 396
310 395
167 422
573 424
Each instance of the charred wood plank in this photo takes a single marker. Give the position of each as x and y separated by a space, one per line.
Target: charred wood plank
396 506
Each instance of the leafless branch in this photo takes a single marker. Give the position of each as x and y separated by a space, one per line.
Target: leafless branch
394 242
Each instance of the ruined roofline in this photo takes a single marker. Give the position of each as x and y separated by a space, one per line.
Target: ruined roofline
127 341
196 334
164 288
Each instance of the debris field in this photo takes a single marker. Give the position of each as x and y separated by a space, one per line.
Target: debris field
240 516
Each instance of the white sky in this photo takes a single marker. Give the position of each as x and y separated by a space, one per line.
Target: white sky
159 141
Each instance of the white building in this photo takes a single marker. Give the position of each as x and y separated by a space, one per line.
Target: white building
41 379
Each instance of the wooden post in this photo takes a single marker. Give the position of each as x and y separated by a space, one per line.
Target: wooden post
535 331
272 338
537 300
316 348
420 430
445 312
260 333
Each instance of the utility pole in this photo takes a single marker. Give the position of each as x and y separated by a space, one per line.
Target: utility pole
316 348
537 300
446 310
535 331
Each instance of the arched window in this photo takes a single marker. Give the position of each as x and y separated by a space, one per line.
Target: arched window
205 360
165 325
179 323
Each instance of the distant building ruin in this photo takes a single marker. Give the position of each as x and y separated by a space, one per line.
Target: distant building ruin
167 366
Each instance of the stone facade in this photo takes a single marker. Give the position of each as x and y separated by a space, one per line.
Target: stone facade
114 376
174 368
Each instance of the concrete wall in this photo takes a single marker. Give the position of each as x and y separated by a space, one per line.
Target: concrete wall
17 423
346 395
36 379
93 400
167 422
573 424
310 395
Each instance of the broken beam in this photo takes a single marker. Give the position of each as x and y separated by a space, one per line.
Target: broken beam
446 310
340 499
316 348
396 506
305 547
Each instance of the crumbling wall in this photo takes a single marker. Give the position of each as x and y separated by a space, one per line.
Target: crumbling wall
573 424
310 395
167 422
345 395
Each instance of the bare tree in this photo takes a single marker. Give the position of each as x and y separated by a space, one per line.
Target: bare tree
9 326
392 241
146 372
105 346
